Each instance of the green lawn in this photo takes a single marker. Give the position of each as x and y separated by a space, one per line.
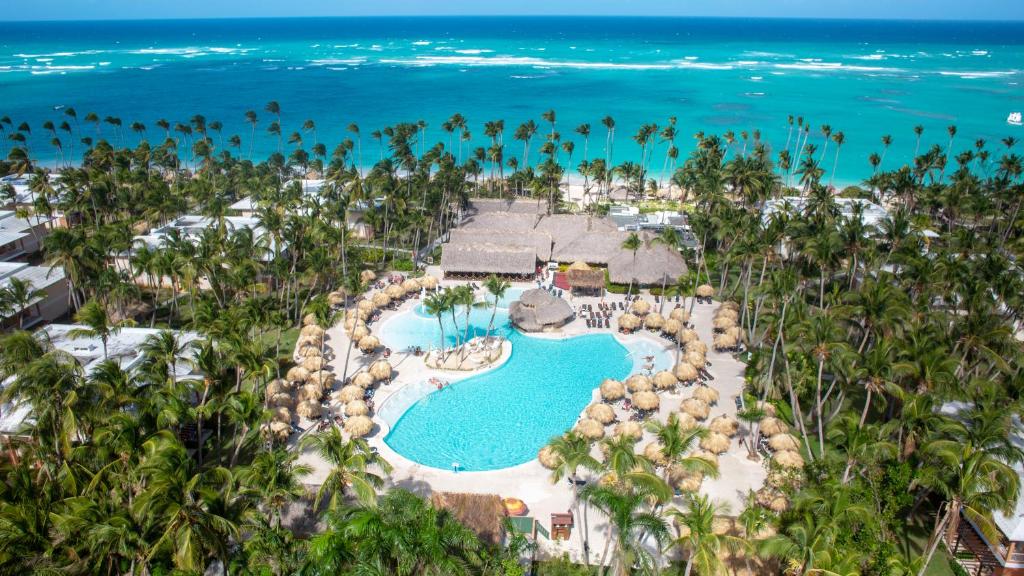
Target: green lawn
913 541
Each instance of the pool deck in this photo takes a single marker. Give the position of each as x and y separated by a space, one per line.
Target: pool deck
530 481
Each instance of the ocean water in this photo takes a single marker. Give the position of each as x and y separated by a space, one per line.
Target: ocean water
864 78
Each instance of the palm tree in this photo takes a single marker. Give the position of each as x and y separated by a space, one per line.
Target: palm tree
97 324
672 241
629 521
701 545
632 243
19 295
497 288
276 476
572 452
436 305
352 463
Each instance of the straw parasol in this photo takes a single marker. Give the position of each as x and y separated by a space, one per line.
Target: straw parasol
640 307
724 342
369 343
722 525
730 305
665 380
379 299
779 503
697 347
770 426
646 400
308 341
697 359
358 426
685 422
705 455
629 321
281 414
781 442
685 372
603 413
654 321
707 394
679 314
314 363
363 380
367 276
765 407
336 299
359 332
309 352
612 389
308 410
276 387
309 319
788 459
736 333
410 285
725 312
312 331
349 393
715 442
590 429
705 291
723 323
395 292
324 378
688 335
281 400
353 319
548 458
653 453
429 282
697 408
381 370
297 374
365 305
684 479
639 383
671 327
629 429
309 392
356 408
724 424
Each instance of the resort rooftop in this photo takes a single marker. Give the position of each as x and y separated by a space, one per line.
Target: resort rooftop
190 227
49 279
631 219
872 213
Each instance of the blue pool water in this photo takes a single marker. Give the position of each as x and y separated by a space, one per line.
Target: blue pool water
502 417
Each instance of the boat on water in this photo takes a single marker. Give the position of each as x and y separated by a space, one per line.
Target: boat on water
1014 119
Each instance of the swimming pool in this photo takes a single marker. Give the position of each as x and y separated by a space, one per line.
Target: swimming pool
502 417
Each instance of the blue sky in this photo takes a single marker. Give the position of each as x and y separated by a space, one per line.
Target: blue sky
132 9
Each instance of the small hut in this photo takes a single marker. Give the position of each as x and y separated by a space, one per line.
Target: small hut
584 280
483 514
538 311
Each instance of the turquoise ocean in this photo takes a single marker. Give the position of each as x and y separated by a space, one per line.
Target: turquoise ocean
864 78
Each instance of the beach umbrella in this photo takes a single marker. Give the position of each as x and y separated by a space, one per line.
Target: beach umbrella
727 313
369 343
639 383
309 392
297 374
380 300
766 408
281 414
358 426
363 380
590 429
724 342
640 307
411 286
281 400
308 410
736 333
715 442
707 394
603 413
276 386
313 364
324 378
705 455
779 442
309 319
665 380
381 370
336 299
312 331
367 276
429 282
359 333
308 341
654 321
685 422
697 359
653 453
549 458
779 503
671 328
723 323
356 408
629 321
276 431
688 335
685 372
365 305
788 459
705 291
683 479
679 314
349 393
724 424
629 429
394 291
730 305
646 400
695 407
612 389
722 525
309 352
353 319
770 426
696 346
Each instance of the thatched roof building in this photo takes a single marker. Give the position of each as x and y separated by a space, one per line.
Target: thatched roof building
583 277
653 263
475 258
538 310
481 513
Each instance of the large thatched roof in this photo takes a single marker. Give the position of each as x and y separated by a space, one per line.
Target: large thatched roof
653 262
486 205
538 309
487 258
481 513
540 242
589 278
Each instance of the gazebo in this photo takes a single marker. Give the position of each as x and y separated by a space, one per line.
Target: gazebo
585 280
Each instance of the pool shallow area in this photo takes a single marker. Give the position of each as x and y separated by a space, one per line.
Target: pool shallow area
500 418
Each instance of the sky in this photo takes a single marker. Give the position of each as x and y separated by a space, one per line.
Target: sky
147 9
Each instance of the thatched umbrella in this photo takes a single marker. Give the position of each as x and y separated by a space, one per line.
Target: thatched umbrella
324 378
629 321
309 319
368 305
612 389
590 429
639 383
723 323
352 320
363 380
380 300
730 305
688 335
603 413
715 442
697 359
314 363
781 442
395 292
276 431
770 426
654 321
685 422
312 331
724 342
309 352
736 333
705 291
679 314
309 392
683 479
336 299
410 286
276 387
359 332
549 458
356 408
671 327
281 400
697 408
348 394
705 455
367 276
381 370
707 394
369 343
281 414
665 380
629 429
308 341
727 313
724 424
308 410
646 400
653 453
358 426
696 346
722 525
767 408
788 459
640 307
685 372
429 282
779 503
297 374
